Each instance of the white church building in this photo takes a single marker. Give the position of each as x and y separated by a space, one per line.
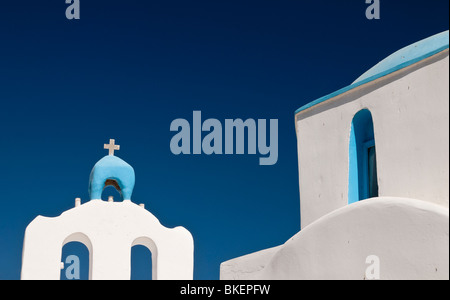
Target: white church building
374 177
373 163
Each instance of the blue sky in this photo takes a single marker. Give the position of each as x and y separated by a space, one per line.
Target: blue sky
127 69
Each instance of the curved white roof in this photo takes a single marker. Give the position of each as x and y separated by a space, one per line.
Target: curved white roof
394 62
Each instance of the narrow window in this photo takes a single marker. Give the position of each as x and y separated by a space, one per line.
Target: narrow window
363 181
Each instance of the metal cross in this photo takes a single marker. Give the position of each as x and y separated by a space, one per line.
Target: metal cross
112 146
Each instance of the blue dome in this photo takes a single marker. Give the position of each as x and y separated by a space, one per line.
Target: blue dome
403 58
111 170
409 55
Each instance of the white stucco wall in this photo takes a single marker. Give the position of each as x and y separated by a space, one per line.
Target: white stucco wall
410 110
410 238
109 230
407 227
247 267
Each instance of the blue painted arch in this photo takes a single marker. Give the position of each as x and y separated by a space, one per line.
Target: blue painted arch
363 179
111 170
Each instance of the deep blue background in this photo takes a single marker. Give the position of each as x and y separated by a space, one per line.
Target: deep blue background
127 69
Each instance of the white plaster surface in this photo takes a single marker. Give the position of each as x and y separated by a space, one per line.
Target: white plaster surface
109 230
407 227
247 267
410 110
410 237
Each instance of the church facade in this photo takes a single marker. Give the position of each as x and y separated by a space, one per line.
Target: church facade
374 177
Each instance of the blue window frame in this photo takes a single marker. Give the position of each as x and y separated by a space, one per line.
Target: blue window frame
363 179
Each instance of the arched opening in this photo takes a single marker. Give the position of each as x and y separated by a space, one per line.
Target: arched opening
363 181
111 190
76 258
141 263
143 259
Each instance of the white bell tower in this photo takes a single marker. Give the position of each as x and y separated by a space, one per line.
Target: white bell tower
109 230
